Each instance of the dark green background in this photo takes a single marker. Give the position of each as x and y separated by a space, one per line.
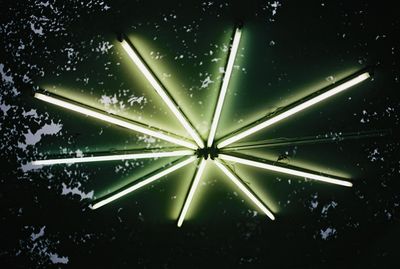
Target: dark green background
281 58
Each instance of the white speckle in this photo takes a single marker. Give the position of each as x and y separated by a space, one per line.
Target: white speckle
67 190
103 47
207 81
79 153
375 156
136 99
329 232
330 79
108 100
47 129
38 235
4 108
54 258
38 31
325 208
6 78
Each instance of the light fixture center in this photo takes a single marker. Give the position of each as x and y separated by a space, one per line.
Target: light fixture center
206 152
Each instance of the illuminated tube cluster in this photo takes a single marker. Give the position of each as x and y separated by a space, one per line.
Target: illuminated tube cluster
239 183
294 110
285 170
192 190
196 148
114 120
133 156
142 182
224 87
130 50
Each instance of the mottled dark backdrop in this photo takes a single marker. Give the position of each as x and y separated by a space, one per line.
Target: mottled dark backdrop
289 49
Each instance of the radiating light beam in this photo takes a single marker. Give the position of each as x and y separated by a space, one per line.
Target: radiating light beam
294 110
133 156
134 55
238 182
192 190
114 120
224 87
143 182
285 170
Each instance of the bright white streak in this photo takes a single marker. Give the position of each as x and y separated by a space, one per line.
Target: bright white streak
285 170
245 190
224 87
116 121
295 110
132 156
143 183
193 188
161 92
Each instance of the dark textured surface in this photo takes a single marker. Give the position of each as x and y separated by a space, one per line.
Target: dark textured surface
288 50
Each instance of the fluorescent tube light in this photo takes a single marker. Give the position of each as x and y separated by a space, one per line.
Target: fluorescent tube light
143 183
245 190
132 156
161 92
294 110
224 87
285 170
192 190
113 120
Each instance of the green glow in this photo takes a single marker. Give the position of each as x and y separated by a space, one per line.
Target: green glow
250 189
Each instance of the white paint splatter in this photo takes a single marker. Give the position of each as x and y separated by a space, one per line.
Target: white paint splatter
136 99
33 138
327 233
206 82
6 78
38 31
54 258
76 191
35 236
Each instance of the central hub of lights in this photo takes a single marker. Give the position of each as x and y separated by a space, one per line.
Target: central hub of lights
206 152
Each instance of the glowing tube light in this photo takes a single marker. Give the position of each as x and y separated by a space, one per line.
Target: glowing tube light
224 87
192 190
295 109
132 156
245 190
161 92
143 183
285 170
114 120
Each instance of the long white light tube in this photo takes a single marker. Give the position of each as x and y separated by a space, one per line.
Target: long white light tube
132 156
294 110
161 92
224 87
116 121
245 190
143 183
192 190
285 170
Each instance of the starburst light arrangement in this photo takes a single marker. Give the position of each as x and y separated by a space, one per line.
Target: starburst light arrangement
198 150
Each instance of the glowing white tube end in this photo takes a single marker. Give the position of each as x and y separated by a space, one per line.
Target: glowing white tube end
245 190
193 188
142 183
285 170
